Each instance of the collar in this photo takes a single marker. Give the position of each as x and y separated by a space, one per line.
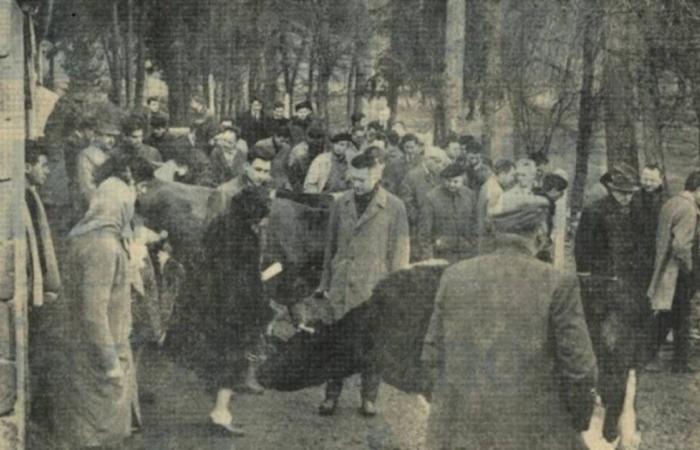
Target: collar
380 197
511 243
688 196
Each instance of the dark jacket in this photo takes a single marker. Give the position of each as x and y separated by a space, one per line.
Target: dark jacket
254 130
164 144
646 207
607 242
447 226
508 328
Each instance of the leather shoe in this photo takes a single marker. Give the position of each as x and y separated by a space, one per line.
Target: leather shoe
368 409
218 429
328 407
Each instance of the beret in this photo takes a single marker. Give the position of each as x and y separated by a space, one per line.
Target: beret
340 137
452 171
525 218
305 104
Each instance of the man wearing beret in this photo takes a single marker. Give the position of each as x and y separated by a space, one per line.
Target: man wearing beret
367 239
447 228
508 339
328 170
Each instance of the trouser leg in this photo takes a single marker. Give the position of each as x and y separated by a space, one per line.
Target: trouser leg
680 316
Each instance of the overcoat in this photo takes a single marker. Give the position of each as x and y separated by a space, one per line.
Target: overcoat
675 237
508 328
447 226
360 251
413 191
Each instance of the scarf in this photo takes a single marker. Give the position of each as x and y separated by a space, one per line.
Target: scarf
42 265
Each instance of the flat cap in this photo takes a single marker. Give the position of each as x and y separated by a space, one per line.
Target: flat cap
452 171
305 104
340 137
524 219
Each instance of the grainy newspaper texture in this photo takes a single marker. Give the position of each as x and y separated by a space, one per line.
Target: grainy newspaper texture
356 224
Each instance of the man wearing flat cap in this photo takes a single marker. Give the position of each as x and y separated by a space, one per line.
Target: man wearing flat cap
508 339
447 224
367 239
328 171
92 157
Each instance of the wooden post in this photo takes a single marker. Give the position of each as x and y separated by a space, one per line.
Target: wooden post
13 294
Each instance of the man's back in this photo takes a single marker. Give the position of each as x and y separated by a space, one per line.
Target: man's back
506 322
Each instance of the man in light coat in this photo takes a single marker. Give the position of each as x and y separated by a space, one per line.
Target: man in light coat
515 364
92 157
328 171
674 281
367 239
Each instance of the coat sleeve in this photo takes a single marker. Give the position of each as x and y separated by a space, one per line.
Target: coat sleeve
584 245
425 231
573 351
95 296
399 245
316 177
684 229
331 246
433 352
86 181
407 193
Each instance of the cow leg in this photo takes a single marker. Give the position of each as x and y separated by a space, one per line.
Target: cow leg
630 439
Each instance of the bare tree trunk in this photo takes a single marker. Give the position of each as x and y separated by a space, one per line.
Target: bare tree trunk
491 92
618 89
453 87
115 67
393 101
362 59
129 101
312 69
350 93
140 55
587 103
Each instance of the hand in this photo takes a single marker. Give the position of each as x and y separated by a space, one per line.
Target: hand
163 235
116 374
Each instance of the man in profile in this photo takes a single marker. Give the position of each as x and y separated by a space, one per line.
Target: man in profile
516 368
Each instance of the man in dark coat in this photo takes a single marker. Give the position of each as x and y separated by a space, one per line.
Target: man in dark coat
253 124
205 124
277 120
514 346
447 225
607 260
477 169
367 239
400 161
302 120
160 138
646 206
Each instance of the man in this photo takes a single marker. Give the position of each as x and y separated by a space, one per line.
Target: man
191 162
489 199
357 118
367 239
359 136
253 124
515 351
328 172
646 206
477 171
229 154
278 145
399 163
204 122
151 109
278 119
92 157
553 189
415 187
256 173
160 138
79 139
302 120
133 131
453 149
607 260
43 278
674 280
447 228
303 153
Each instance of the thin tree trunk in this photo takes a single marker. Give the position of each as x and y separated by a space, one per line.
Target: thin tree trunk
587 104
115 68
129 101
493 76
350 92
362 59
393 101
453 83
140 55
312 68
618 90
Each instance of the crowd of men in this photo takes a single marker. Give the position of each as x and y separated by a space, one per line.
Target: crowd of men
397 200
